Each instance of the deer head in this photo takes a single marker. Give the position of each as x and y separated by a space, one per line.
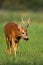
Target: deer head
23 29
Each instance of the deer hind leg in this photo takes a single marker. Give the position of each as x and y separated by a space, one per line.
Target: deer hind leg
15 46
8 46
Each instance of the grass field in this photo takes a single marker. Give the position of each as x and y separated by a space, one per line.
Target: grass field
30 52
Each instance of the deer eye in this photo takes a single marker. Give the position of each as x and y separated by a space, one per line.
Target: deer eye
22 32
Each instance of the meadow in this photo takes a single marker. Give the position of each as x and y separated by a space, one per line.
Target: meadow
30 52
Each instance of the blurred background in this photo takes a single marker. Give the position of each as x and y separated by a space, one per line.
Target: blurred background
34 5
31 52
14 10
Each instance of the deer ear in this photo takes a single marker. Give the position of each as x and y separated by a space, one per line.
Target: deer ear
19 27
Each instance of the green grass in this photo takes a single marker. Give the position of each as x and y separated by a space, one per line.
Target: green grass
30 52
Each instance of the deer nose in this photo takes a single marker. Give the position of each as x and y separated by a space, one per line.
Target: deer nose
26 38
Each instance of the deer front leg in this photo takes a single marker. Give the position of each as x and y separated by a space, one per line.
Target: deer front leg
15 46
9 51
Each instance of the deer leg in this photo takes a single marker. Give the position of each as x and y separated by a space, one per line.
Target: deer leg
8 46
9 51
15 46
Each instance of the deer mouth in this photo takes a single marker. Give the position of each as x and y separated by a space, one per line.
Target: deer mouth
26 39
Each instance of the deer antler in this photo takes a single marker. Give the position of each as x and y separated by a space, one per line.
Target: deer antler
28 22
23 21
